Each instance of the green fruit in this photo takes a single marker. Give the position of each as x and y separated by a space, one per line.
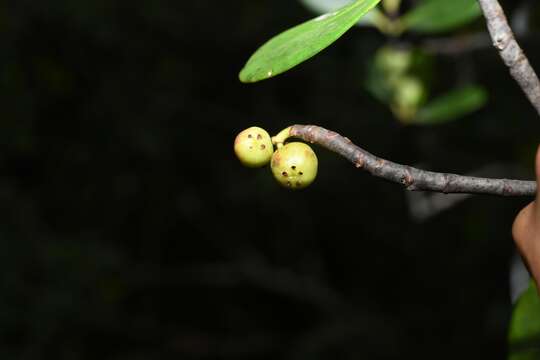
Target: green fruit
410 92
392 61
294 165
253 147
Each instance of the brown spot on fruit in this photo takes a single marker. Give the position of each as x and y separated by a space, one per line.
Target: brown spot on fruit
263 146
259 137
276 160
284 174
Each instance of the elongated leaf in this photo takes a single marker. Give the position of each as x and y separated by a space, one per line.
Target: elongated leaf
452 106
300 43
325 6
524 334
433 16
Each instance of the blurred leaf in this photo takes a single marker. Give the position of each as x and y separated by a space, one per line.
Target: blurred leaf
300 43
325 6
524 334
452 105
433 16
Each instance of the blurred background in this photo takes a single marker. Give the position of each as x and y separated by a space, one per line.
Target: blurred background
129 230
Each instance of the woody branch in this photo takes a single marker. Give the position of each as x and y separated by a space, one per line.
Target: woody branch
513 56
411 178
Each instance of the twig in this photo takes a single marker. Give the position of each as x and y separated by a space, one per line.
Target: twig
412 178
512 55
423 205
456 45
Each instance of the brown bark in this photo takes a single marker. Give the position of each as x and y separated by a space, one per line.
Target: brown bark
411 178
513 56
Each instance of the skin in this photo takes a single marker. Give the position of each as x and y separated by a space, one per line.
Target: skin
526 230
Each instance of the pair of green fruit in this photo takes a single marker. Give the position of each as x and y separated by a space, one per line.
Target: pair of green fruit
294 165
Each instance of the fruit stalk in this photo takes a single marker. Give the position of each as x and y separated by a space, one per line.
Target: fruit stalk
281 137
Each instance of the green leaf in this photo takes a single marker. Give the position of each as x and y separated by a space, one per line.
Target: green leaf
452 105
434 16
300 43
524 333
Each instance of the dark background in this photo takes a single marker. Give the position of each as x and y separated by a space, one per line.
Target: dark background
130 231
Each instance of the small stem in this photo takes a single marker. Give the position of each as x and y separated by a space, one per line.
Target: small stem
281 137
391 7
386 25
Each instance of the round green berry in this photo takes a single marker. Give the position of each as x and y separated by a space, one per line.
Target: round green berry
410 91
409 95
253 147
393 61
294 165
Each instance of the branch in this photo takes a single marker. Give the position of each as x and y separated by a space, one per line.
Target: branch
512 55
412 178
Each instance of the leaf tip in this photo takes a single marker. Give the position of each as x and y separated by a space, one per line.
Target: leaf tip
247 75
243 76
